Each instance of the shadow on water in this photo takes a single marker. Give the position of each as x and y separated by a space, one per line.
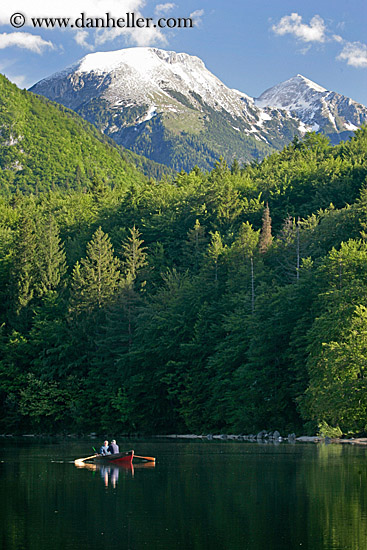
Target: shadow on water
110 473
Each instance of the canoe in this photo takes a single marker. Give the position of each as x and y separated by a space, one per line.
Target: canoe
118 458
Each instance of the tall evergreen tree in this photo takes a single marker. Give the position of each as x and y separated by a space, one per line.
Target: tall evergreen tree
134 255
24 271
194 247
265 236
135 258
215 250
95 279
51 256
289 250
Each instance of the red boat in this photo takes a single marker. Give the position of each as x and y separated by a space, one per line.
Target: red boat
118 458
123 459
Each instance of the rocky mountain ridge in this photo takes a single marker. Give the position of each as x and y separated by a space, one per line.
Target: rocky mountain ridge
169 107
319 109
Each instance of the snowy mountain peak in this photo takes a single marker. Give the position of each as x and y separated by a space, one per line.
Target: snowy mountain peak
318 108
141 59
145 76
308 82
295 92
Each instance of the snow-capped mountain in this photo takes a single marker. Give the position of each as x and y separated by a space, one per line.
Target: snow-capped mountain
169 107
316 107
147 74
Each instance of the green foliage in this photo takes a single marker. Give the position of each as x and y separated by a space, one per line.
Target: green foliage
42 400
96 278
328 431
208 317
134 255
51 256
44 145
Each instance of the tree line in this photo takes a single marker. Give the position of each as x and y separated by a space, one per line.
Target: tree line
232 300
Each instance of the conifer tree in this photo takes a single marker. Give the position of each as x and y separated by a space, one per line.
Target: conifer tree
215 250
220 168
95 279
51 256
24 272
135 258
134 255
235 167
194 246
245 244
289 249
98 188
265 236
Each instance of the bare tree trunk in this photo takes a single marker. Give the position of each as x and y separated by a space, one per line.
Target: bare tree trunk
252 287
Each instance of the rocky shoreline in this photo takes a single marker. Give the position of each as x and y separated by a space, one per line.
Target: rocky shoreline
261 437
269 437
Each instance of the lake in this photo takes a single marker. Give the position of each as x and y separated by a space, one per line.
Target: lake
200 495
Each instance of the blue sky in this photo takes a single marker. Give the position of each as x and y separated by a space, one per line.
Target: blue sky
249 45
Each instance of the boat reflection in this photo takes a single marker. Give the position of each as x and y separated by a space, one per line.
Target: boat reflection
110 472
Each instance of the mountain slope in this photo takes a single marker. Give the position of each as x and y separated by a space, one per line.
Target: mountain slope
168 107
318 108
44 145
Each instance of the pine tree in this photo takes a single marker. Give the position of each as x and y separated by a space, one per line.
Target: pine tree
235 168
289 249
220 168
215 250
98 188
265 236
24 272
245 245
95 279
134 255
194 247
51 256
241 255
135 258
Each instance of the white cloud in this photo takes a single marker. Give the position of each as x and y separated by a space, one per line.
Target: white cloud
25 40
6 66
355 54
134 37
292 24
81 38
196 16
20 80
162 9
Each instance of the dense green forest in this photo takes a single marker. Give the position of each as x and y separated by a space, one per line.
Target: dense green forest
231 300
44 145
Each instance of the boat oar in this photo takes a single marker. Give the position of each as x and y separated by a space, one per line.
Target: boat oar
148 458
80 460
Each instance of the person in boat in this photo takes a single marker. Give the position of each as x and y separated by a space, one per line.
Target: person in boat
104 450
113 448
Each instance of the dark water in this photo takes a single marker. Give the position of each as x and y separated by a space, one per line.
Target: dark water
200 495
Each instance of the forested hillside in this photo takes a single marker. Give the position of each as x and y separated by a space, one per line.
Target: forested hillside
44 145
234 300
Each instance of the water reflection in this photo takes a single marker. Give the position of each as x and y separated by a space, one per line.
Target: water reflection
232 496
110 472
